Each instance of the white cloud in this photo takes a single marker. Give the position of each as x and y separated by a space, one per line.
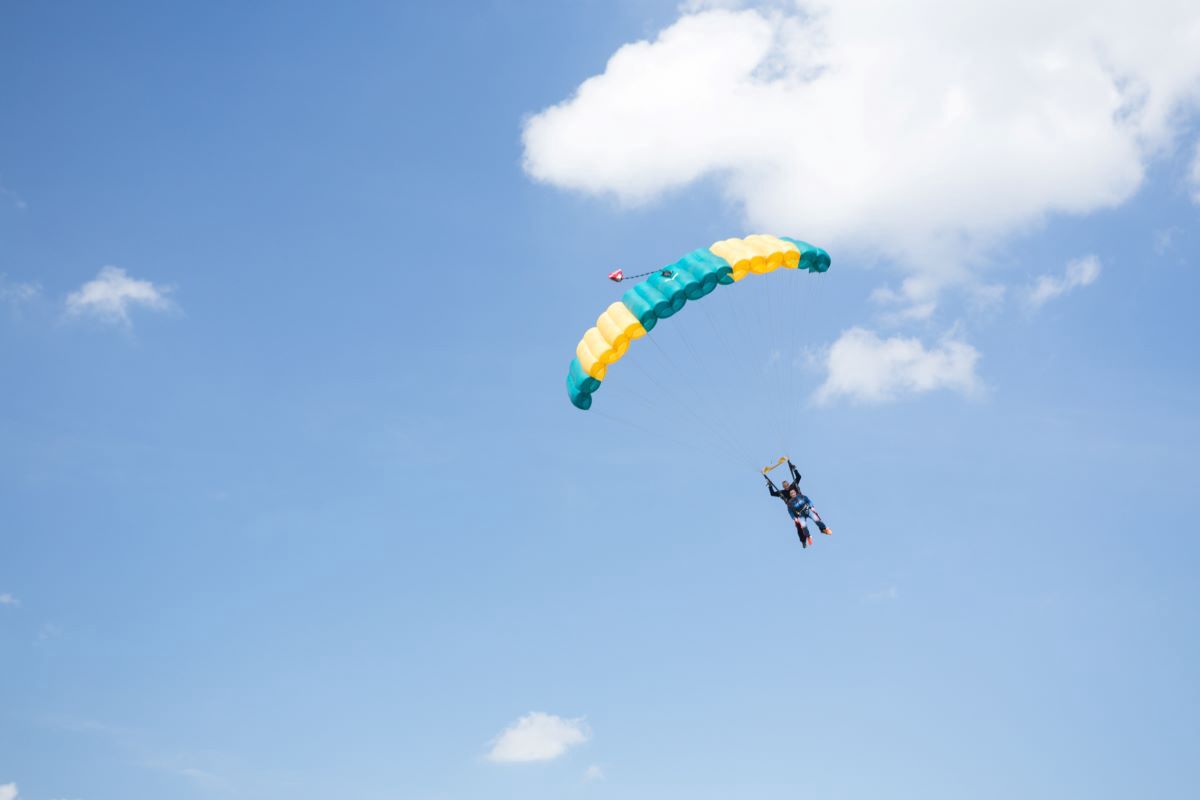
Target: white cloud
867 369
8 791
538 737
7 599
923 132
111 294
593 773
1080 272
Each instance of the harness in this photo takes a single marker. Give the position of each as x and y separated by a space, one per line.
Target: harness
803 509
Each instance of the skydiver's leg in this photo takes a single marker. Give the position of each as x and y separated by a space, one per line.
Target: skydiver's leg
825 529
802 532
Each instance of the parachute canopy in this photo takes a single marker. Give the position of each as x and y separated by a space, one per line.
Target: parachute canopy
668 290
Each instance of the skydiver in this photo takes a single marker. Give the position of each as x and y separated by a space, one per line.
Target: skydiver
799 506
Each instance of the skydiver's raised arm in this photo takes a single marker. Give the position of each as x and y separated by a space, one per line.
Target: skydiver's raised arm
771 486
795 473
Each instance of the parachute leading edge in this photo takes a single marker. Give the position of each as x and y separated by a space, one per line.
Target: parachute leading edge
667 291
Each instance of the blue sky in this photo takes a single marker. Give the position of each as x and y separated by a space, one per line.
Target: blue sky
292 501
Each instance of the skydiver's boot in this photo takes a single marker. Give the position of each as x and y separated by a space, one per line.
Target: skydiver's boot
825 529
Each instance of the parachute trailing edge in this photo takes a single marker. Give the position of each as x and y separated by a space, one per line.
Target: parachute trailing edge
667 291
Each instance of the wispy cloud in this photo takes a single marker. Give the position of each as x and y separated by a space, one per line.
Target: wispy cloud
1080 272
13 198
15 293
865 368
883 595
8 791
1164 240
915 300
7 599
86 726
201 777
538 736
112 293
593 773
1194 174
48 633
212 770
986 298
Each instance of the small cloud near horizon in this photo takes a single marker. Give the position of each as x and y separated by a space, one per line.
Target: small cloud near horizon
537 736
